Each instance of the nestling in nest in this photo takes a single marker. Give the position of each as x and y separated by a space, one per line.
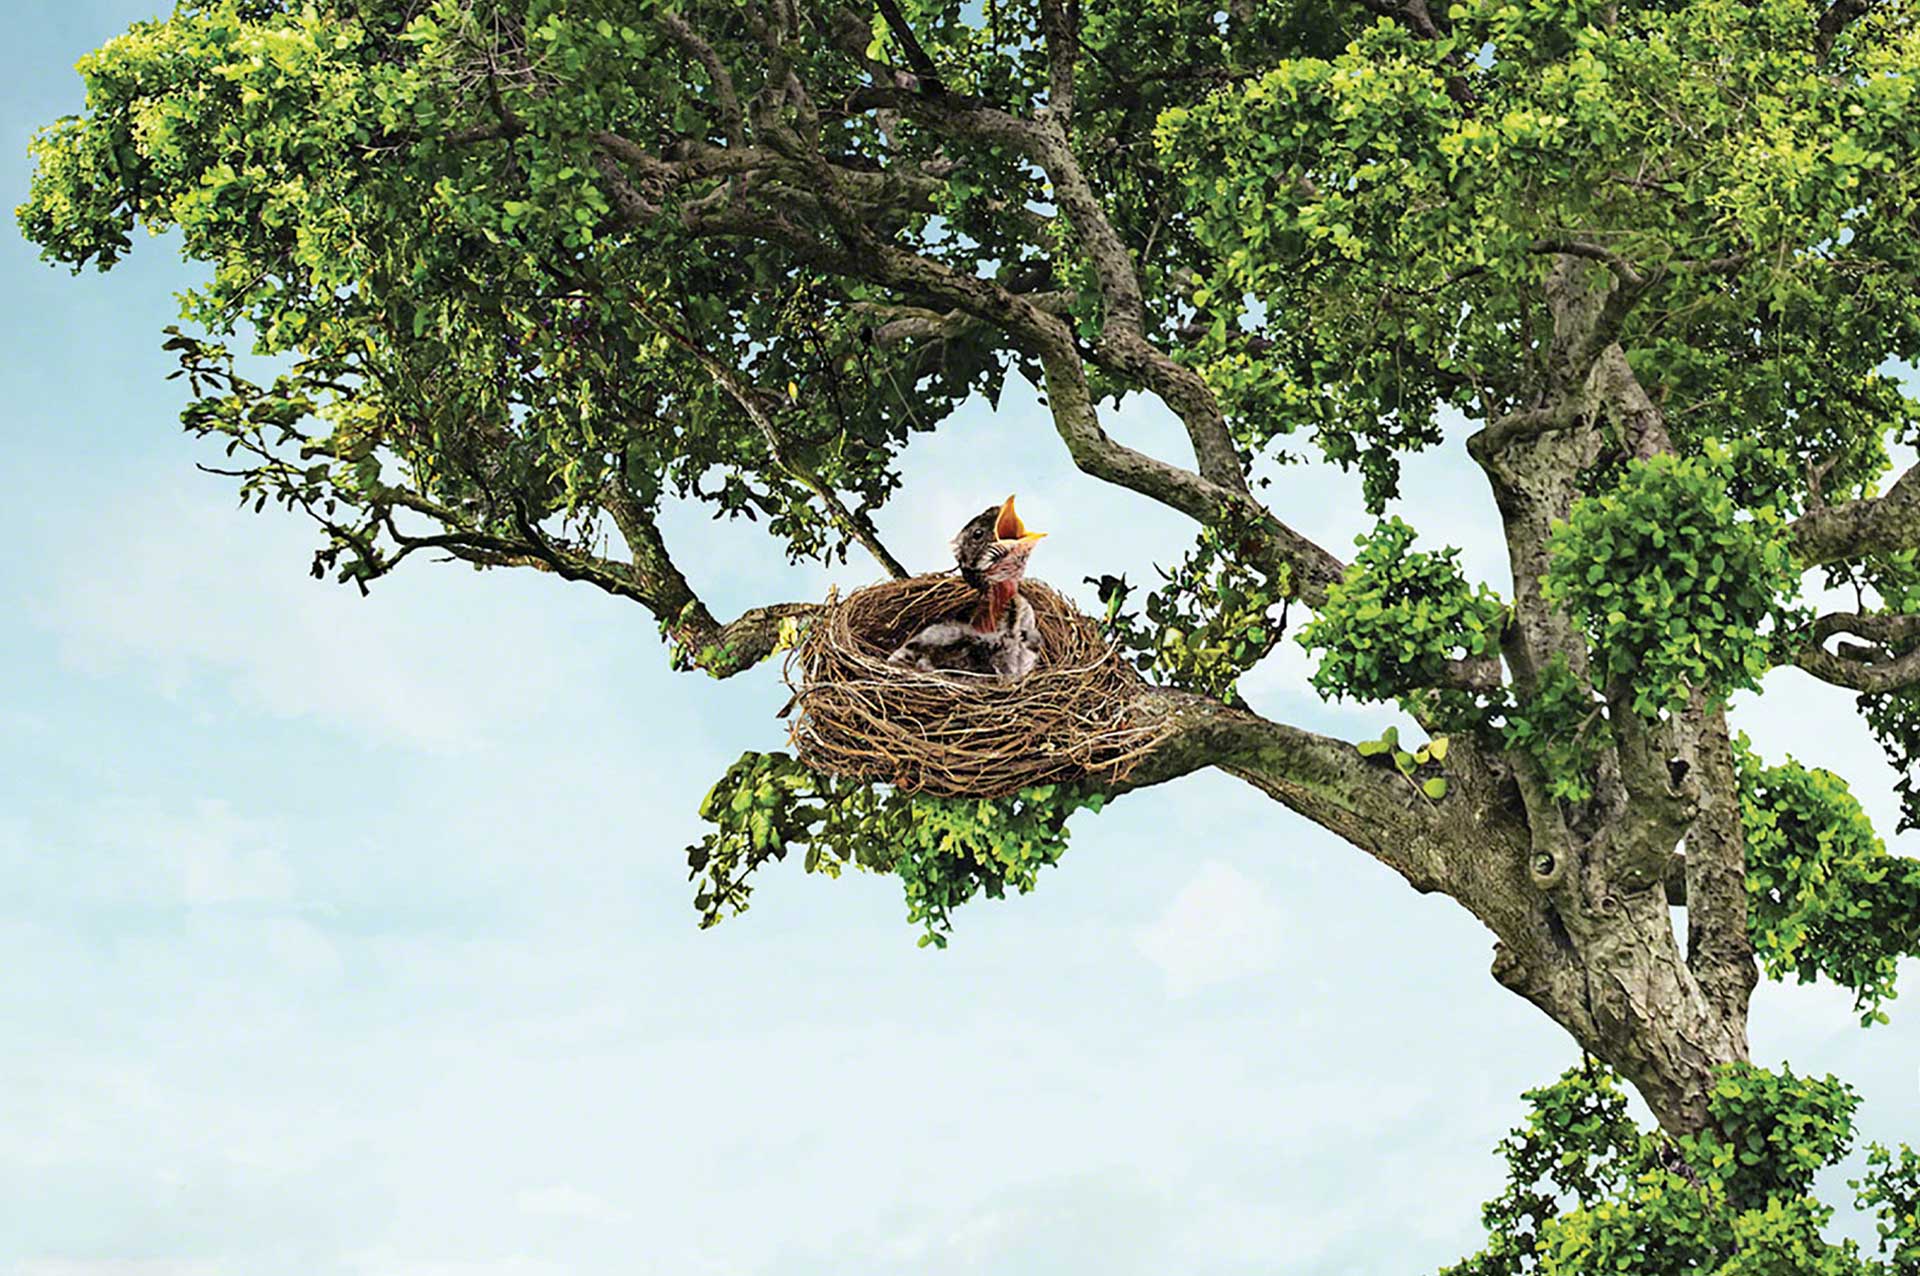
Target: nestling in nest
866 707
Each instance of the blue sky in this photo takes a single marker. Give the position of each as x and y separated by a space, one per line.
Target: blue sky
348 935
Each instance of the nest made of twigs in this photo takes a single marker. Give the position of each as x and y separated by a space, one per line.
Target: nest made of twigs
961 734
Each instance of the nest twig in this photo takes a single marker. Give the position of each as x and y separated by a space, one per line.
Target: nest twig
954 734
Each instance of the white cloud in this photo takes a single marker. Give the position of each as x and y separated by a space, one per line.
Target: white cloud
112 1267
218 856
563 1200
300 950
1220 927
387 1261
181 589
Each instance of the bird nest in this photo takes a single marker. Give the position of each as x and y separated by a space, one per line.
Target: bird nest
953 734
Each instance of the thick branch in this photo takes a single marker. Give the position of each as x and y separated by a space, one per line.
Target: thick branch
1522 425
1661 801
1643 429
1094 451
855 526
1122 346
1837 17
724 94
1060 20
1323 779
1855 529
1587 320
1719 950
1624 270
1028 322
703 642
1873 668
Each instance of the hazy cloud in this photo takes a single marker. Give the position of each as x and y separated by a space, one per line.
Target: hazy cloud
1220 927
186 594
562 1200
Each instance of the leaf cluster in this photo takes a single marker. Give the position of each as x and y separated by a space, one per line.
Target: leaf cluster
1563 726
1410 763
1377 218
1678 589
1823 895
399 202
1214 616
1398 617
1590 1194
945 851
1892 716
952 849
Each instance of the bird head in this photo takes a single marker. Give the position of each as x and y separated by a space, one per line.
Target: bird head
993 546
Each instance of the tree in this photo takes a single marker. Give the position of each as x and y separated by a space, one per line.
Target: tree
528 268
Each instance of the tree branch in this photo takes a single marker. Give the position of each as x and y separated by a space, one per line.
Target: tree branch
1324 779
1208 497
1122 346
917 57
1835 20
701 641
1855 529
1628 274
1060 20
1312 568
1874 668
855 526
1523 425
1719 950
1643 429
725 96
650 577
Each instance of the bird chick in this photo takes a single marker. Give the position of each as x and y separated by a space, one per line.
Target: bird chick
1000 638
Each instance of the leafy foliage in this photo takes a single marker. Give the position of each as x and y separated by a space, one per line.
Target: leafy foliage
1563 726
473 313
1374 219
1893 716
1894 719
1399 616
1677 590
1823 895
1421 765
1213 617
1589 1193
529 270
1575 1149
946 851
953 849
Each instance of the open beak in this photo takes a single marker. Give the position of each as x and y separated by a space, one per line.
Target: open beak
1008 527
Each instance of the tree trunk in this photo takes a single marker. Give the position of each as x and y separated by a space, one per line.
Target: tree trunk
1627 994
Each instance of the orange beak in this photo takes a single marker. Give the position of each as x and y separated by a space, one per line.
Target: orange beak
1009 527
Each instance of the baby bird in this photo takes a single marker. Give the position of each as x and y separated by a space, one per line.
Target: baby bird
1000 638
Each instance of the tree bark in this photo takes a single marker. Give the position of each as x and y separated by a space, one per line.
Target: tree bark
1602 961
1626 993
